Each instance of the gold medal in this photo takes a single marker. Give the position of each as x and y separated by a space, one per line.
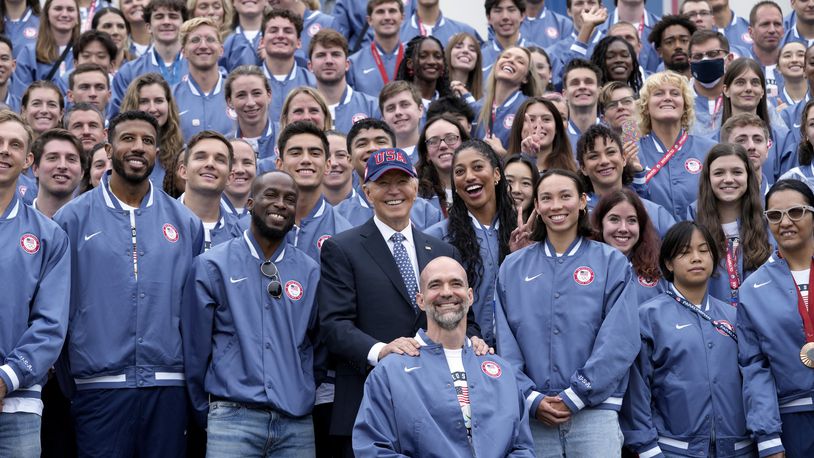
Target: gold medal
807 354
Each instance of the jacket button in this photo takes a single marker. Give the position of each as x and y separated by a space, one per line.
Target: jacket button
140 340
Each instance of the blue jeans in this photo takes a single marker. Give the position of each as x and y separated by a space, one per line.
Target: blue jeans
589 433
234 430
20 435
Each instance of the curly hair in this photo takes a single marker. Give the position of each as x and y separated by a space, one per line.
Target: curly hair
634 80
460 232
644 256
170 139
655 81
587 142
753 235
407 72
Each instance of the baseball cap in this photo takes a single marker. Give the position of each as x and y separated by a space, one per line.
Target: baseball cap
388 159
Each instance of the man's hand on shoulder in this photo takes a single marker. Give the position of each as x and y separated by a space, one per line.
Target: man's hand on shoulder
481 347
402 346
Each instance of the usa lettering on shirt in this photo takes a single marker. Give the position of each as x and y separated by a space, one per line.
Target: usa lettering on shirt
456 367
801 278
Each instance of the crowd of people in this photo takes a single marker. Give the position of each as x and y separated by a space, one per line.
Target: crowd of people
296 228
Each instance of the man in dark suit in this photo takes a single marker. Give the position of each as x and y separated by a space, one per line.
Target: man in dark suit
368 285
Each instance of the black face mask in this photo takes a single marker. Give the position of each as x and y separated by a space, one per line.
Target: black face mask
708 72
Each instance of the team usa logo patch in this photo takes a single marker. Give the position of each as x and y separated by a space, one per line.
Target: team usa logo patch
30 243
725 324
322 240
22 189
552 32
170 232
293 289
746 38
358 117
693 165
314 29
30 32
508 121
584 275
232 114
491 369
647 281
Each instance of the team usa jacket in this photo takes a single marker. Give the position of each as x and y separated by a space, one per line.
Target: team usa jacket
299 76
353 107
226 228
128 272
22 32
547 28
410 408
35 276
322 223
568 324
147 63
200 111
364 73
685 386
484 304
500 124
238 50
770 335
443 29
676 185
240 343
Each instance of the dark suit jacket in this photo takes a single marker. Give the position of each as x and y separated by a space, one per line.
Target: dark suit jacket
362 300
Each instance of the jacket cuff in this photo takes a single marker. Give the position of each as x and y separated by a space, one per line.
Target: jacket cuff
9 378
373 354
572 400
651 451
533 401
580 48
769 445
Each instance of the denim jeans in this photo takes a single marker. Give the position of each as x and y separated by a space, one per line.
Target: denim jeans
589 433
236 430
20 435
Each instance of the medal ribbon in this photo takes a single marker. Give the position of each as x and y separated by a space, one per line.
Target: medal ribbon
666 158
716 324
732 268
380 64
807 315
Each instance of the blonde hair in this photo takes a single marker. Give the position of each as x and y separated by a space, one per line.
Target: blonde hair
531 88
228 15
190 25
10 116
317 98
655 81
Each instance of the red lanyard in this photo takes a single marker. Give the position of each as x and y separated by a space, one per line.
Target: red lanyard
732 268
807 315
719 102
641 26
666 158
379 63
89 19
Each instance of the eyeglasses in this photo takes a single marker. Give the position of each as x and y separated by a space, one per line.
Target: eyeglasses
450 139
624 101
711 54
269 270
699 13
795 213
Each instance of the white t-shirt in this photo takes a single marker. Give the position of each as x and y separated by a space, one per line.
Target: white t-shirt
731 229
801 278
456 367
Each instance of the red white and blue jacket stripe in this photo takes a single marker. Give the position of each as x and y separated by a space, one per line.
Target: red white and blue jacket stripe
568 324
123 330
411 408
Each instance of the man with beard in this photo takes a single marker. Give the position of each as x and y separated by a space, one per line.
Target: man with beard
671 38
248 321
132 247
58 166
403 390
